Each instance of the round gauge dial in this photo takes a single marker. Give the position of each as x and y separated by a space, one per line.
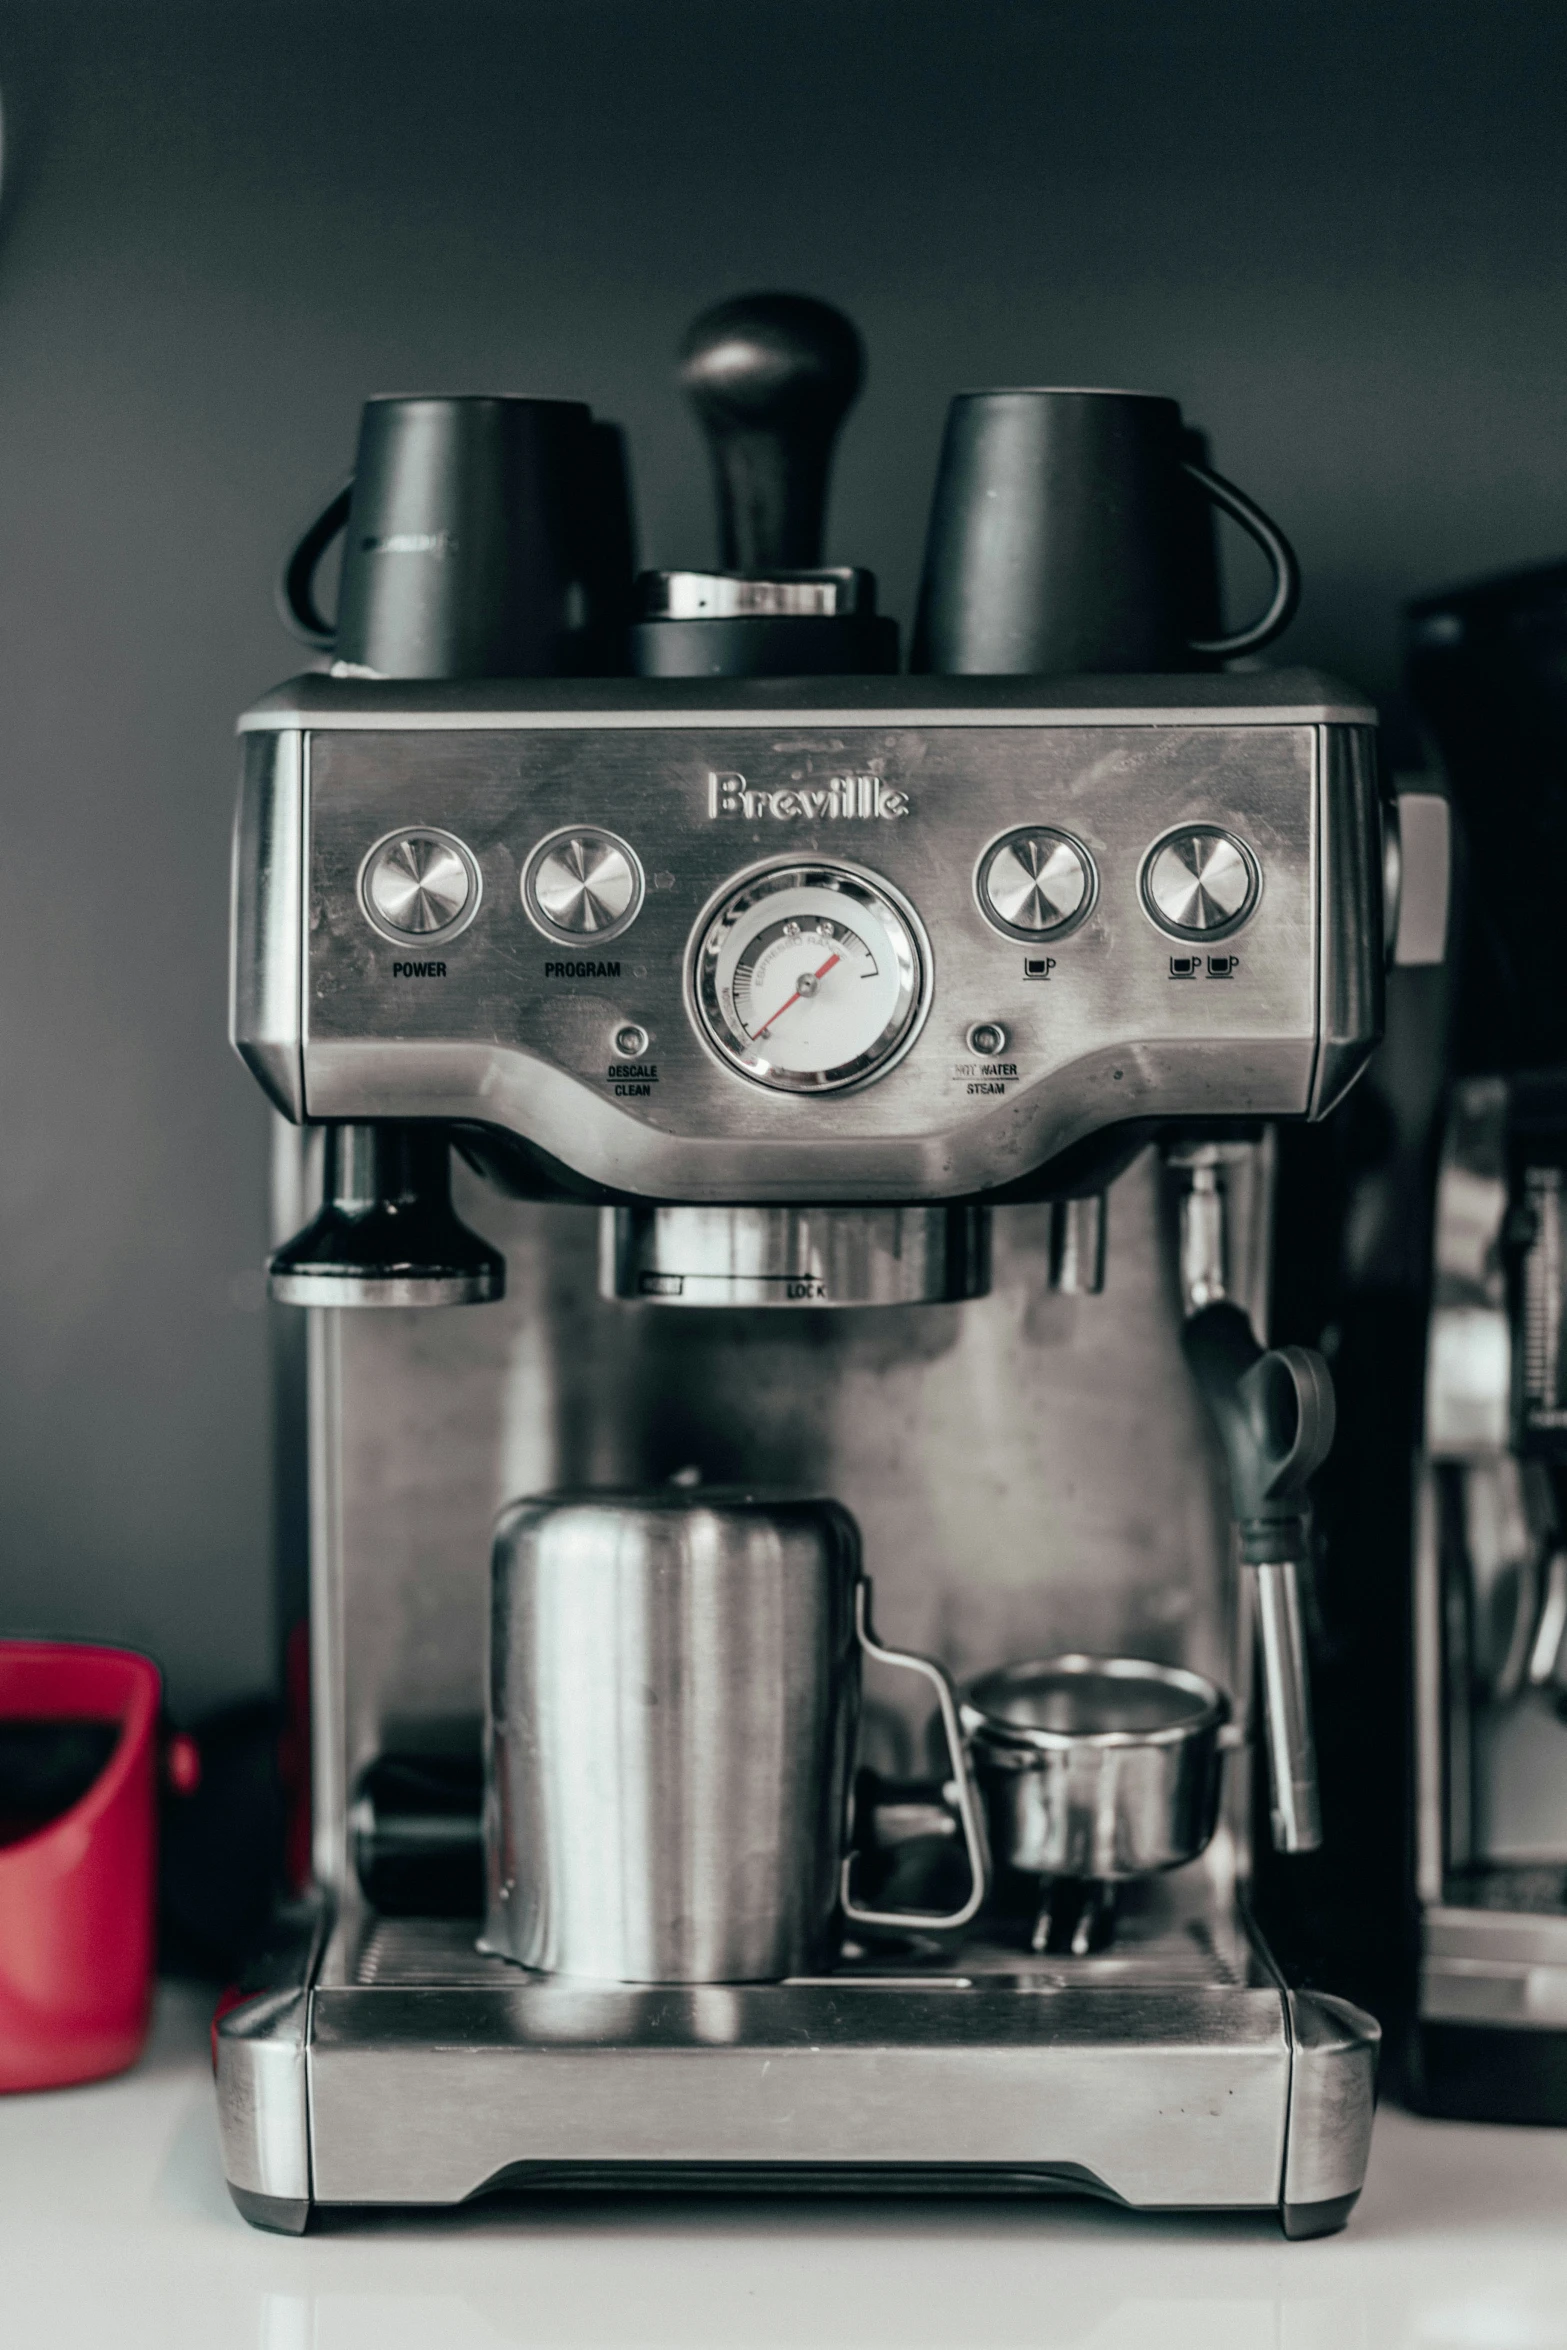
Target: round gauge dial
810 977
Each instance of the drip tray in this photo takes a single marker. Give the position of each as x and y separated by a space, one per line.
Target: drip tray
402 2065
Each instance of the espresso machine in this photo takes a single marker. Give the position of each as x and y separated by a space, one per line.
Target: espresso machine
829 1082
1486 664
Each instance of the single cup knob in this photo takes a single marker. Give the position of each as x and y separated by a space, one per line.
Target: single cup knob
1200 882
420 884
1035 882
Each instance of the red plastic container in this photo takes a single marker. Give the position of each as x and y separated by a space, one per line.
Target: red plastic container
77 1919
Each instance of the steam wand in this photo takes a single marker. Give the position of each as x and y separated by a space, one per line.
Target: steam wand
1274 1412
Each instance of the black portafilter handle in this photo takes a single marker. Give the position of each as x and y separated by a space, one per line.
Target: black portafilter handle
771 377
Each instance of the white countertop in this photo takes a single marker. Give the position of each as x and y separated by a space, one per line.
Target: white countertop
116 2232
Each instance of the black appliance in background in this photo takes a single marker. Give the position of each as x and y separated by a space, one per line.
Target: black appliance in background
1487 667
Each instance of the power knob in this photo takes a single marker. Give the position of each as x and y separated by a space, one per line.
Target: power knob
1035 883
420 884
582 884
1200 882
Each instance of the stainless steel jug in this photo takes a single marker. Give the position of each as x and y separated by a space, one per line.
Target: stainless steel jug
674 1702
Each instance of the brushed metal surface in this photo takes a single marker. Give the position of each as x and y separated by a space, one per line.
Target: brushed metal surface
1352 962
1031 1472
1333 2074
583 883
1077 1245
526 1036
795 1257
1200 883
1104 1768
1034 883
1176 2098
266 953
419 885
263 2094
1287 1719
432 2072
674 1704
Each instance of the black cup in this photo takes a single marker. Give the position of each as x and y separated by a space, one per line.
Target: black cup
485 538
1064 538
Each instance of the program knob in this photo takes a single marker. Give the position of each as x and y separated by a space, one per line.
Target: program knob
1035 882
581 884
1200 882
420 884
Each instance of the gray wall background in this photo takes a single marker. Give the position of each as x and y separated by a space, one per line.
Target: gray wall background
1335 230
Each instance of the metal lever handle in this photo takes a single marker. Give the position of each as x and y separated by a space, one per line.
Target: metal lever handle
924 1921
1286 1705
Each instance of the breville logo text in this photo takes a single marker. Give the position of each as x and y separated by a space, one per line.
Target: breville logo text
839 796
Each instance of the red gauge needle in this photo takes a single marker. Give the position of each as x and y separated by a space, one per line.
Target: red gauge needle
794 999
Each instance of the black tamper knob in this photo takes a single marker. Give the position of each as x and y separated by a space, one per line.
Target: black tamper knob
387 1233
771 377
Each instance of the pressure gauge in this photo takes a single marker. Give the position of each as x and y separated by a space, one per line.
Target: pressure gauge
811 977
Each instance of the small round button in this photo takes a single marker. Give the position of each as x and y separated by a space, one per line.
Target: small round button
582 883
1035 883
420 884
987 1038
631 1042
1200 882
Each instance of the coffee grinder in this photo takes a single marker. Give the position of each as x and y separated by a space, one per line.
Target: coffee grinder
1490 1583
859 1084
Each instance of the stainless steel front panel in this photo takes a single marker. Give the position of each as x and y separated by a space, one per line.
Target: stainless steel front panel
502 1025
1176 2075
435 2072
266 972
1113 1019
1031 1472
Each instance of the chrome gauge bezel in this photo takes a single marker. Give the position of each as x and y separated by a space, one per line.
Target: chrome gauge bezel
719 1025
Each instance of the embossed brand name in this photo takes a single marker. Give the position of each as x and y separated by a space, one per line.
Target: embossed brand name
838 797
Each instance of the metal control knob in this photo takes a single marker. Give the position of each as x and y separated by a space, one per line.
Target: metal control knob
420 884
1200 882
1035 883
581 884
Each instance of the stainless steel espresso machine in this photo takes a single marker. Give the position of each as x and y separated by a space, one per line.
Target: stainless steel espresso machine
829 1082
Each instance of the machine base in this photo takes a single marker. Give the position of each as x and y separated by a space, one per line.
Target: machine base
400 2066
280 2215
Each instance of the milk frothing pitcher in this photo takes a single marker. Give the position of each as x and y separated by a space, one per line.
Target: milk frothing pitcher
674 1702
